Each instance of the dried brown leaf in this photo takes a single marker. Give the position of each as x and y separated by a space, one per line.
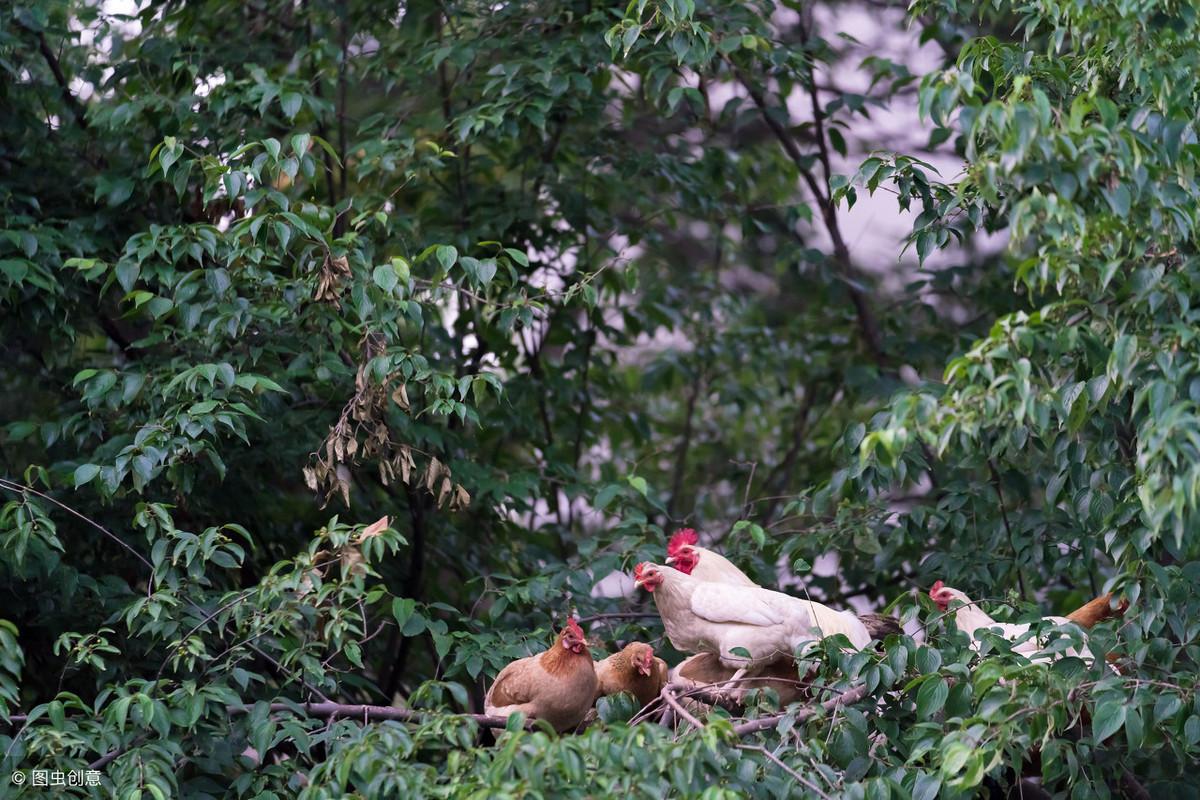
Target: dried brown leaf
375 528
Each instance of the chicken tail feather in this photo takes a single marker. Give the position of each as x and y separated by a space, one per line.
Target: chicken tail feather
880 626
1097 611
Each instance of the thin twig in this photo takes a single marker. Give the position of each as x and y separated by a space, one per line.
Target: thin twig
779 763
13 486
867 323
849 697
669 696
64 85
617 615
1007 528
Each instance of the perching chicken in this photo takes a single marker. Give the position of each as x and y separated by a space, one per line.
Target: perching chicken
557 686
970 618
707 617
705 669
635 670
685 555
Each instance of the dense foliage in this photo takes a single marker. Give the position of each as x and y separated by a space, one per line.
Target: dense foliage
541 282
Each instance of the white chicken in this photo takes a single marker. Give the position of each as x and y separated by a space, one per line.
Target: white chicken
685 555
972 620
745 626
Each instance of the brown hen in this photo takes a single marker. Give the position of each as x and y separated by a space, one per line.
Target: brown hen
557 686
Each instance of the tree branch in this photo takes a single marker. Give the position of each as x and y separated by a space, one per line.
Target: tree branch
21 488
849 697
685 443
868 327
412 584
668 697
1008 528
64 85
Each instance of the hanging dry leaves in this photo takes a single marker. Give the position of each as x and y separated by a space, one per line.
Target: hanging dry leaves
334 272
361 434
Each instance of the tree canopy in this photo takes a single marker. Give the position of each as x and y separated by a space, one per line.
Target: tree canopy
540 283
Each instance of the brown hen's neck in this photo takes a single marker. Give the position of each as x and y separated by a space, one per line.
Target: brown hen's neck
624 661
559 659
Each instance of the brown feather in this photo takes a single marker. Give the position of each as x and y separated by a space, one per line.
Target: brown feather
706 668
880 626
1097 611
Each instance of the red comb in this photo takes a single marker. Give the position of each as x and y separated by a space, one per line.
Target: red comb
637 571
573 627
938 586
683 536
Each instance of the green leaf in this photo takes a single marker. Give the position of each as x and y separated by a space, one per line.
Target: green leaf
402 610
84 473
1123 357
1134 731
1108 719
837 141
926 787
385 277
446 255
1119 200
127 274
1166 706
605 496
931 697
290 103
928 659
486 271
1191 730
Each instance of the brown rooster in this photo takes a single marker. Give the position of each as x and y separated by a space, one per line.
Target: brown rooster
557 686
635 670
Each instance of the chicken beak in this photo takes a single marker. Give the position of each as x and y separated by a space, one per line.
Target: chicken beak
671 560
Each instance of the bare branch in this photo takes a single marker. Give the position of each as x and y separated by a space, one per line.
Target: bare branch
669 697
